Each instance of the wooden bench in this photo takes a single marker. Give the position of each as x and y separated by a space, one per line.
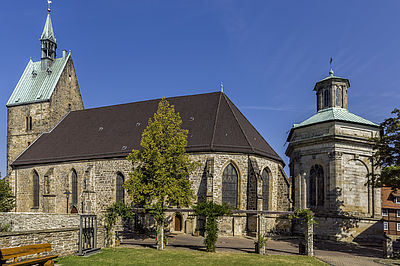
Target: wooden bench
14 253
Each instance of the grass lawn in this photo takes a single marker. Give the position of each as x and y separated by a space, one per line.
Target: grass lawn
147 256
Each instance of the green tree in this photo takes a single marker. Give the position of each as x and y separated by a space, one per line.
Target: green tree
387 154
6 196
161 169
211 211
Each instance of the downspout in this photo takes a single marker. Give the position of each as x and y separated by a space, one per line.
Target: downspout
373 188
16 186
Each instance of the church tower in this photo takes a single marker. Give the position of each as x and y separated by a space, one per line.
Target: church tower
49 45
47 90
330 159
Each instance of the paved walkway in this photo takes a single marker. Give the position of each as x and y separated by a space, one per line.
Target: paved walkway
330 252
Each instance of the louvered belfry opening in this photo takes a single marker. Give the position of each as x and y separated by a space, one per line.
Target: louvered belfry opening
230 186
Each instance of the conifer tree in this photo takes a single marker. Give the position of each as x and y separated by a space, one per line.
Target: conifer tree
160 173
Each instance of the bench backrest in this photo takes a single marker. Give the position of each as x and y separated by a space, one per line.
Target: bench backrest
9 253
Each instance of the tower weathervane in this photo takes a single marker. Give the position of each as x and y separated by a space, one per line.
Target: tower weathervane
331 70
48 5
222 86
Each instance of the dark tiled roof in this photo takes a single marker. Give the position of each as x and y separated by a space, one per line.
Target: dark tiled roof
215 124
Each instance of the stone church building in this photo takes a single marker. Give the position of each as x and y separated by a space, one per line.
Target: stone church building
56 147
330 159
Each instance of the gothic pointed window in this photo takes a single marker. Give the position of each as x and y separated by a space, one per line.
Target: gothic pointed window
316 192
230 186
119 190
35 181
74 182
265 189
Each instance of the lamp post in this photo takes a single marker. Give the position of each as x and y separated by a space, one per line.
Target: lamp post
67 193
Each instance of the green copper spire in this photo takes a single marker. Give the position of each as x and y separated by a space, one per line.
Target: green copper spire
49 44
48 33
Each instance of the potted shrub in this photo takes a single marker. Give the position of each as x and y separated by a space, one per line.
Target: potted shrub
117 239
260 245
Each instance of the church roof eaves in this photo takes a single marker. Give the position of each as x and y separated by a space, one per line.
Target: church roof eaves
78 136
37 85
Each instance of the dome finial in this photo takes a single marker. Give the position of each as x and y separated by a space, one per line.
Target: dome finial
222 86
331 70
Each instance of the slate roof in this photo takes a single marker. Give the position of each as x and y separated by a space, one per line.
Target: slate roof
35 84
215 124
334 114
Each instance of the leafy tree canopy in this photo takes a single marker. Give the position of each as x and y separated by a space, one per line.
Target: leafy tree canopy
161 169
387 154
6 196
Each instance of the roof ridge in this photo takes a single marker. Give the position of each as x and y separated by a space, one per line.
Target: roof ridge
237 121
215 121
143 101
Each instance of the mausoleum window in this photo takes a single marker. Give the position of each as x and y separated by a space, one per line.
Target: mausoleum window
327 97
230 186
316 192
338 97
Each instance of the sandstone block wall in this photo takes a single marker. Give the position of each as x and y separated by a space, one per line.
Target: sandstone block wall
344 152
97 186
43 221
60 230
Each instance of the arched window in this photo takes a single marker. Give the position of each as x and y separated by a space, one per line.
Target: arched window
35 197
120 193
74 194
316 192
265 189
327 98
230 186
338 97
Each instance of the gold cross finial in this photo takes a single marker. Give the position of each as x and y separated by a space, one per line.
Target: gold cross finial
48 5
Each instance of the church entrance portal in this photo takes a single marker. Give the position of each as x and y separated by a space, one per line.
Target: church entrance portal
178 222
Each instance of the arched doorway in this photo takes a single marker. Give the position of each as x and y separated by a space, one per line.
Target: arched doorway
178 222
74 210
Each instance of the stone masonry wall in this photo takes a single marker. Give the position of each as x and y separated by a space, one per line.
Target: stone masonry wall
60 230
344 152
97 186
43 221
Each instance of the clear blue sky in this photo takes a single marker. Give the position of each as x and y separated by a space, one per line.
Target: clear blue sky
269 54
